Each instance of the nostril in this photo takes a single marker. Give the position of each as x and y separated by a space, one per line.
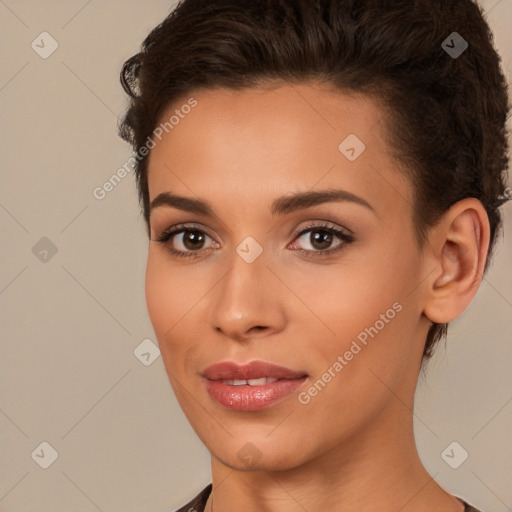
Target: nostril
258 328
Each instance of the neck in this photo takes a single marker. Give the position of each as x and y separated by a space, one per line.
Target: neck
375 470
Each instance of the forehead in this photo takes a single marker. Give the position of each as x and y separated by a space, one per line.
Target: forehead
267 141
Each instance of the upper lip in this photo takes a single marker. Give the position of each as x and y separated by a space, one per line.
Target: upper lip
228 370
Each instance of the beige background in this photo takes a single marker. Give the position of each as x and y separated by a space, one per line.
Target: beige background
70 325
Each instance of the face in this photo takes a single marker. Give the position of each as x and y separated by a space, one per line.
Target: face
313 298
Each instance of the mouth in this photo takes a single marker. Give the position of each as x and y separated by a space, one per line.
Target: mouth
249 382
250 387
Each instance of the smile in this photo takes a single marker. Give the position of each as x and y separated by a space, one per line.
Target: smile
250 387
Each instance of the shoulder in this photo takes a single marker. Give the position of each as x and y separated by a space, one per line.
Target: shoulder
469 508
199 502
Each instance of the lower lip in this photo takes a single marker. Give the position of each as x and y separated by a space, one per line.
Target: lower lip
251 398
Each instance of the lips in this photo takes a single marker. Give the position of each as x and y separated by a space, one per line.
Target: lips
252 370
250 387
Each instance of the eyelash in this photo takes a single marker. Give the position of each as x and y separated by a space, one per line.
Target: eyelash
345 238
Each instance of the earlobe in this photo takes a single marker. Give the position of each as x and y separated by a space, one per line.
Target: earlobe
459 243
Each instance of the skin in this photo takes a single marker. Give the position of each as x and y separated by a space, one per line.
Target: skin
351 447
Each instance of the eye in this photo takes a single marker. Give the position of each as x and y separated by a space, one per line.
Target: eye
186 241
191 241
318 239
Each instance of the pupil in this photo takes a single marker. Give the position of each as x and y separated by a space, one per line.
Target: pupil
324 240
193 239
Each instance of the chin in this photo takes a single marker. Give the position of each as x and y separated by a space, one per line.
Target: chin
257 453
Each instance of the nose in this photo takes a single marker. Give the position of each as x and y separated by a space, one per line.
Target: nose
247 304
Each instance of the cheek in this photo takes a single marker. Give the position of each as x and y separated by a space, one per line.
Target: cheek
160 303
175 300
352 295
171 290
364 308
168 298
363 364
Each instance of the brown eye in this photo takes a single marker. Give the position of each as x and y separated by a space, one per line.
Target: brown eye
321 240
186 241
193 239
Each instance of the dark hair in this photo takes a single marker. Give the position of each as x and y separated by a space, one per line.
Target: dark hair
446 113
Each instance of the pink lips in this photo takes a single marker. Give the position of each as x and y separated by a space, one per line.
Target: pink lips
265 384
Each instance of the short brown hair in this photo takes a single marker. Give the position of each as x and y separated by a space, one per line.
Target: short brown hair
446 113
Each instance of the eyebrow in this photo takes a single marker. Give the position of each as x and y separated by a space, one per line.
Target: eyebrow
280 206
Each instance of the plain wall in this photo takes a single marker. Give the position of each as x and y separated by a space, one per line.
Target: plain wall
70 324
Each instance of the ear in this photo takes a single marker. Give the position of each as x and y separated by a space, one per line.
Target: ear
459 243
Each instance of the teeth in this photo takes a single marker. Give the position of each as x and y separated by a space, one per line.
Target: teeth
257 382
251 382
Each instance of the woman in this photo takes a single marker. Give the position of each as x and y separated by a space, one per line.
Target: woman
321 183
